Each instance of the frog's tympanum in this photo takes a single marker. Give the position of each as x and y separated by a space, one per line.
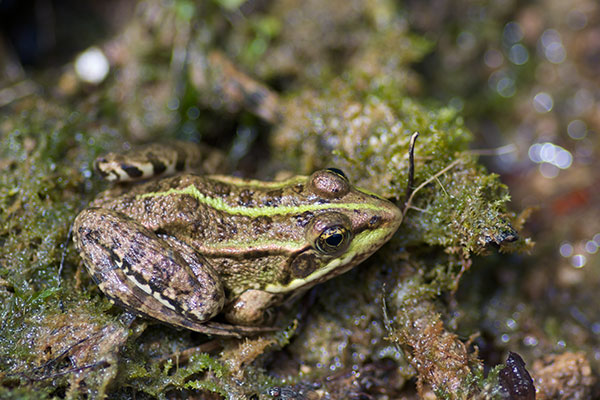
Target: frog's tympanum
186 248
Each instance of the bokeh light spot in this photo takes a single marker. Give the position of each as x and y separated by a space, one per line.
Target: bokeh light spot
543 102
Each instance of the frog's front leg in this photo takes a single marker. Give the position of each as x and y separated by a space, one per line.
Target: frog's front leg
251 307
147 275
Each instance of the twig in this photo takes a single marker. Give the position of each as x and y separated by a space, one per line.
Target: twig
411 165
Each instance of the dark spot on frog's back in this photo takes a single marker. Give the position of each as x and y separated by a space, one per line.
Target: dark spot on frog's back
261 225
303 219
224 230
246 198
273 198
220 189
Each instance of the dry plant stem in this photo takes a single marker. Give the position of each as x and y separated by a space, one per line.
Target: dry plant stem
411 165
465 265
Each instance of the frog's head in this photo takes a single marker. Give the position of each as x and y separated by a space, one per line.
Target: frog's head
348 225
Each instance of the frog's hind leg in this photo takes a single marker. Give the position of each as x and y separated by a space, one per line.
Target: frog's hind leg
142 272
159 159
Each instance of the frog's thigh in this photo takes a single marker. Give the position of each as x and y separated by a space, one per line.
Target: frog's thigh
142 272
250 307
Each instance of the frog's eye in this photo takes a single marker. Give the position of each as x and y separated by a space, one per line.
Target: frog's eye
329 183
333 240
330 233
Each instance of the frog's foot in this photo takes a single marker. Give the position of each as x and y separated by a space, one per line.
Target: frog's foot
142 272
216 328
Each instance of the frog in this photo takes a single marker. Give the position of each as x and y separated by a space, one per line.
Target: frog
216 254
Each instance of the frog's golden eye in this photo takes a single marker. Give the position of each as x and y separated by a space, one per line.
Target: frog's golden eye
329 183
333 240
330 234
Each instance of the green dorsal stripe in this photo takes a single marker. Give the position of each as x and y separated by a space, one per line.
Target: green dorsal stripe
264 211
253 183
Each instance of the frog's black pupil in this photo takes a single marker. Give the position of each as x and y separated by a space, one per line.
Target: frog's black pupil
337 171
334 240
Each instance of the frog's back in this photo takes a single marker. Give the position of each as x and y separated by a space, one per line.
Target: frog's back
211 213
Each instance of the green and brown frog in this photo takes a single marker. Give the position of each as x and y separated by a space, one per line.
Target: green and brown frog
187 248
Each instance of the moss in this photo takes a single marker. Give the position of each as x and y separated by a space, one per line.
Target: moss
44 153
368 135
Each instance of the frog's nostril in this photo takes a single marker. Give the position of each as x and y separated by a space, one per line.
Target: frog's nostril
375 221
